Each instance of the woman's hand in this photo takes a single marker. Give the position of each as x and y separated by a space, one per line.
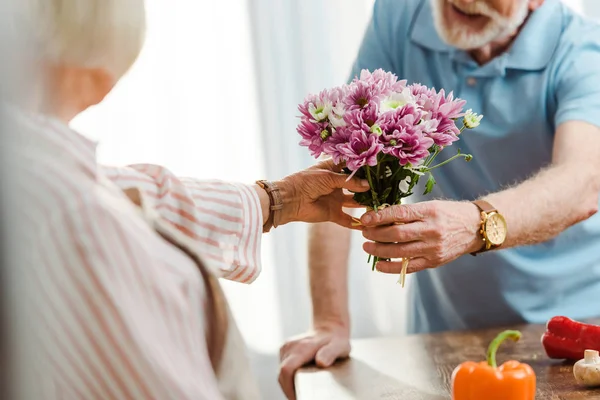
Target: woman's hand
316 195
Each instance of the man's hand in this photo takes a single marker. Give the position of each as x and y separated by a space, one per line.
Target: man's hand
431 234
324 345
316 195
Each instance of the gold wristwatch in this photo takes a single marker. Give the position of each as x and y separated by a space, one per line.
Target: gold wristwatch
493 226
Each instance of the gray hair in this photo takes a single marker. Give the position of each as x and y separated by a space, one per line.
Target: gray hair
106 34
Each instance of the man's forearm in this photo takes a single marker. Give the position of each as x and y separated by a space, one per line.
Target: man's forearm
545 205
329 246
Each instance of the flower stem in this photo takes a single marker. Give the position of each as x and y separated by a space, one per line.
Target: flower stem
466 156
373 193
432 157
493 348
375 208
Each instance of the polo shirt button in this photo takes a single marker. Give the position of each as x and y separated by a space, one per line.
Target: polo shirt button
471 81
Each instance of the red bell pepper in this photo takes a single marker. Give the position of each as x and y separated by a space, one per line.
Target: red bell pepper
568 339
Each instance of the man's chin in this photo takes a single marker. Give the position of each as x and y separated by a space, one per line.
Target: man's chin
465 39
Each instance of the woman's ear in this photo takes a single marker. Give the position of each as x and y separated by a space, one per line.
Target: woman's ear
69 90
95 84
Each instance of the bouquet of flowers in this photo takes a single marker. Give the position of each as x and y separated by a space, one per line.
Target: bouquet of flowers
385 131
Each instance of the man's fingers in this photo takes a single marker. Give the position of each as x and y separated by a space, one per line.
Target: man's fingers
396 233
287 370
294 355
306 347
395 250
394 214
335 349
395 267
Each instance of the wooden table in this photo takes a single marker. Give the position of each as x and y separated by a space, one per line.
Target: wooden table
419 367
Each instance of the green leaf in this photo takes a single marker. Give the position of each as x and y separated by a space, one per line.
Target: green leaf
384 196
429 184
364 199
414 180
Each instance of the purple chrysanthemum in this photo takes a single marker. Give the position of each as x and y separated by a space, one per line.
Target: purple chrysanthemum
340 136
361 119
407 116
445 110
403 135
362 95
360 149
385 82
422 93
316 107
446 107
314 135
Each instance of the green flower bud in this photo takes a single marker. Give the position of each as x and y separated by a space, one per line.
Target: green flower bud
376 129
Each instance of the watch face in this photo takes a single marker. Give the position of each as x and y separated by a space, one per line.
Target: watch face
495 229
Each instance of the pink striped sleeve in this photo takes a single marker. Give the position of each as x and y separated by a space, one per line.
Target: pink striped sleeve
224 219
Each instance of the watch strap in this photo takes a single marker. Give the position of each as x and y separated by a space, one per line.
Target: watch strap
275 206
486 208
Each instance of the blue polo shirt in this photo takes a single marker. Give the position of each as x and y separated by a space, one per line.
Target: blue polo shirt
551 74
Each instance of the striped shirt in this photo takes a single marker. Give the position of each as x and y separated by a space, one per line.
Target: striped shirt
110 309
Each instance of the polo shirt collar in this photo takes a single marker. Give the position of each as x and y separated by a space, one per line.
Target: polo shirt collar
541 32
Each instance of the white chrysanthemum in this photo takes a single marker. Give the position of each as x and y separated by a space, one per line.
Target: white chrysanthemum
320 112
430 125
471 119
336 117
397 99
404 184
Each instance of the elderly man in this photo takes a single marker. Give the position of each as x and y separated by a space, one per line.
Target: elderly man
525 205
118 267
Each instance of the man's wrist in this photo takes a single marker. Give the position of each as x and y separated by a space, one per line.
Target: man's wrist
474 225
330 324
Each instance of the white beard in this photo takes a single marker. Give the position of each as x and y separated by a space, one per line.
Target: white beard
497 28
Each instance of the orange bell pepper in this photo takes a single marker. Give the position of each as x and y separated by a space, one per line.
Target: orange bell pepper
485 380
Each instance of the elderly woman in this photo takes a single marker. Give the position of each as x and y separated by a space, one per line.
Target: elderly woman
122 299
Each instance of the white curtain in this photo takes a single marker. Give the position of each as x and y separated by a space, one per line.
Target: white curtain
214 95
590 7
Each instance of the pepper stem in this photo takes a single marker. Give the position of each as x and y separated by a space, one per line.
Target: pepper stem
493 348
